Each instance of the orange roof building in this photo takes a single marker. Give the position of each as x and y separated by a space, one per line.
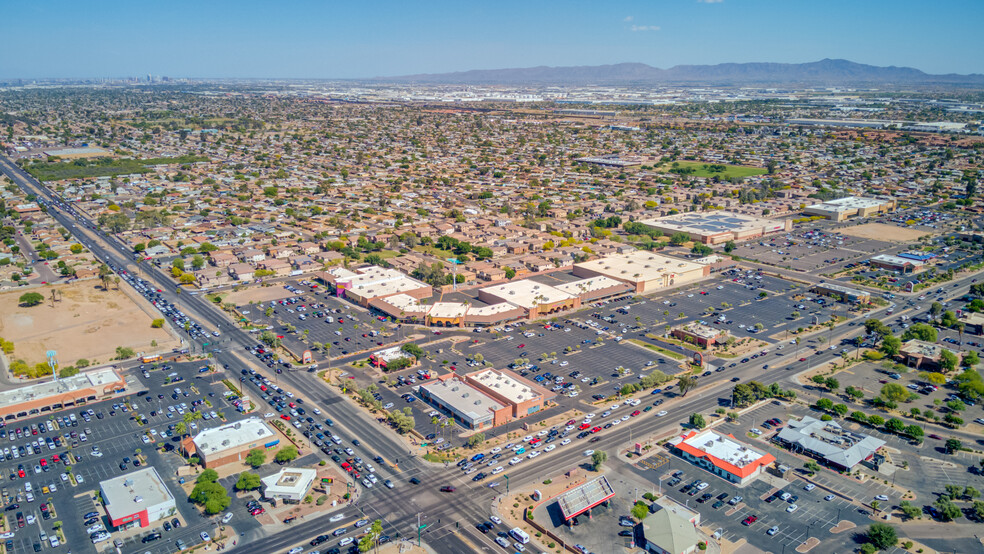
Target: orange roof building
722 455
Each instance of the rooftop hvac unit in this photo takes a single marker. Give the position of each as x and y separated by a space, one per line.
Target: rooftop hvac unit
464 395
225 442
138 499
454 389
477 402
128 483
237 425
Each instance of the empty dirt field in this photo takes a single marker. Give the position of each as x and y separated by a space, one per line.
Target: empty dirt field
882 231
87 322
257 294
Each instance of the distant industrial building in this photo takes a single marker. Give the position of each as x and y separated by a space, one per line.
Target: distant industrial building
485 398
53 395
718 226
643 271
613 160
230 442
138 498
845 294
722 455
78 153
828 442
851 206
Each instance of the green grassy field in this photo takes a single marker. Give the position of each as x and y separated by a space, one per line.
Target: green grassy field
704 169
100 167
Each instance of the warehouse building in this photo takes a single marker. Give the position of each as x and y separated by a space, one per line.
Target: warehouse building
643 271
230 442
851 206
137 498
722 455
718 226
67 392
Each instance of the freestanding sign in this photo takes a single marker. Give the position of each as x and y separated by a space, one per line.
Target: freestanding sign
307 357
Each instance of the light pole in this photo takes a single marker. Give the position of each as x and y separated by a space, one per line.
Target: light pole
661 486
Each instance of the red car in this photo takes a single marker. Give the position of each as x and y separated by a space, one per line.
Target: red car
256 511
635 413
749 520
448 488
932 436
521 346
535 441
571 422
285 417
20 473
583 426
802 359
595 429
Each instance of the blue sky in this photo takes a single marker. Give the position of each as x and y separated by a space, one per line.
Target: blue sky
328 39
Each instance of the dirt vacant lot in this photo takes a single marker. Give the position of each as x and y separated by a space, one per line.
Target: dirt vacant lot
257 294
882 231
86 322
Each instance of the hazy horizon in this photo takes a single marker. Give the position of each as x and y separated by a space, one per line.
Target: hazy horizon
316 40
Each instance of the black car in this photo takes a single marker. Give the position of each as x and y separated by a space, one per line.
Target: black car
151 537
414 481
626 533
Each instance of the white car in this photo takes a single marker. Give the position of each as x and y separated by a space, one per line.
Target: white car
496 450
227 518
79 479
496 520
31 519
565 442
792 508
94 529
204 536
527 438
336 517
533 454
296 550
809 487
606 414
550 447
515 460
661 413
881 498
773 530
588 452
498 470
8 535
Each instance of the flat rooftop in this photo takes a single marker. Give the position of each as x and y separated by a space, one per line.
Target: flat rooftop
591 284
639 266
724 448
849 203
462 397
132 492
448 310
512 389
711 223
232 435
96 379
527 294
588 495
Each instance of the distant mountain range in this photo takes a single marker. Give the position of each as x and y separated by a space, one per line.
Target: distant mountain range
824 72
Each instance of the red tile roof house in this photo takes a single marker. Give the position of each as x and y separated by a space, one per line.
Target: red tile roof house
722 455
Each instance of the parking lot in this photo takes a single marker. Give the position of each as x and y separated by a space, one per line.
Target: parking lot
317 317
104 440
